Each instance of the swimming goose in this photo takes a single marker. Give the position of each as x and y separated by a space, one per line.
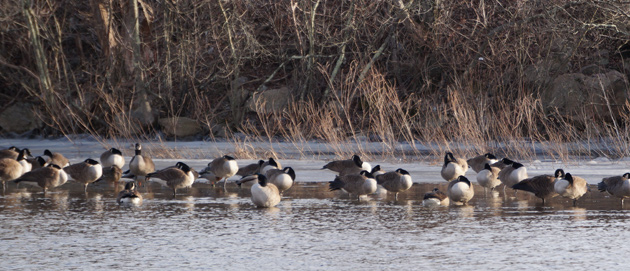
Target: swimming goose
395 181
111 174
112 157
12 152
571 187
85 172
460 190
477 163
542 185
618 186
47 177
57 158
179 176
270 164
264 194
219 169
140 165
129 196
488 177
283 179
453 168
435 197
250 169
10 169
346 167
357 184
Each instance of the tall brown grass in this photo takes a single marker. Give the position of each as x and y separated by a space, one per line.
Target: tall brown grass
464 76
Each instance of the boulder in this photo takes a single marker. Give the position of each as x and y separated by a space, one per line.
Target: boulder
575 94
180 126
19 118
268 101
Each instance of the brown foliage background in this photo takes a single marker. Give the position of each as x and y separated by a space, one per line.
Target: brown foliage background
438 72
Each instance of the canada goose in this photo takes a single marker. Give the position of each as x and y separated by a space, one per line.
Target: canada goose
85 172
542 185
264 194
179 176
47 177
488 177
283 179
376 170
220 169
57 158
435 197
12 152
10 169
357 184
460 190
395 181
618 186
504 174
270 164
347 167
571 187
36 162
111 157
453 168
141 165
503 163
130 195
477 163
250 169
111 174
26 166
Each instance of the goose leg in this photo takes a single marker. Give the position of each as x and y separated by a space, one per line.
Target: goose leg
85 188
224 183
574 202
174 192
396 196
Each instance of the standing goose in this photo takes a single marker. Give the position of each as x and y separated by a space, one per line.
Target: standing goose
12 152
179 176
47 177
36 162
478 163
453 168
264 194
488 177
542 185
435 197
85 172
111 174
357 184
283 179
519 173
129 196
460 190
26 166
618 186
395 181
347 167
571 187
504 174
376 170
10 169
112 157
220 169
250 169
140 165
270 164
57 158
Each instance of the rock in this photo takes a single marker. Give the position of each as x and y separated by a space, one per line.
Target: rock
19 118
180 126
575 94
272 100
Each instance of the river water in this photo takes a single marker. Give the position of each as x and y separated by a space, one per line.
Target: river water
311 229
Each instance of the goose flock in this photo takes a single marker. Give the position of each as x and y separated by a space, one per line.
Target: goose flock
268 180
